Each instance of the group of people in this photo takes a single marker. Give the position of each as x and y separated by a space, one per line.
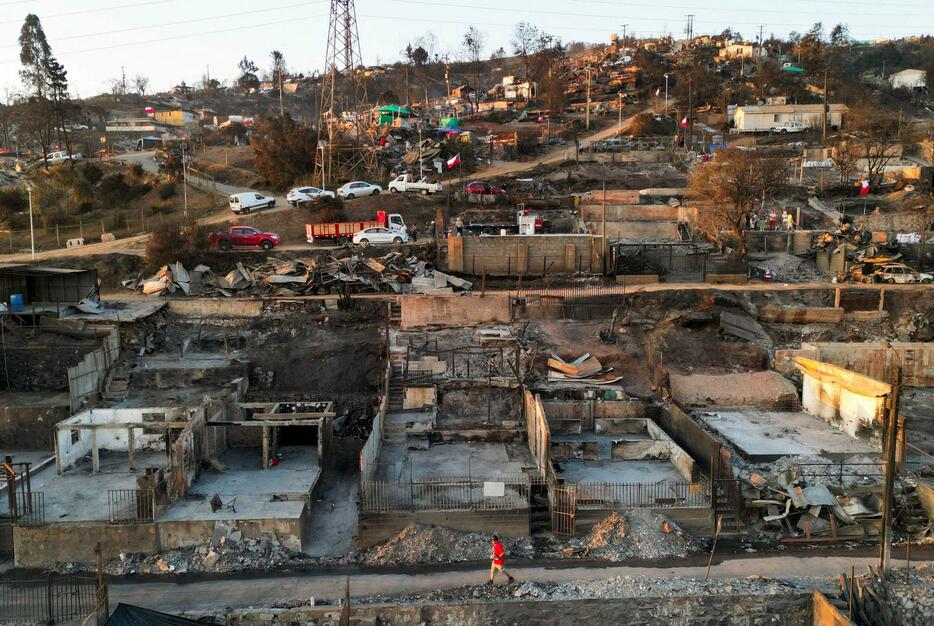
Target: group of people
772 221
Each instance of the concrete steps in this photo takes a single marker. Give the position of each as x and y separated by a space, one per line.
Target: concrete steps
117 388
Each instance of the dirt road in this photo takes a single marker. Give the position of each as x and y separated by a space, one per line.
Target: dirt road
238 592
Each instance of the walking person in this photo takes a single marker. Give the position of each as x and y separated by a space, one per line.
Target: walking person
459 227
414 233
499 561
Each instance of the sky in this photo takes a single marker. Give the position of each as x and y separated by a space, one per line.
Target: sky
170 41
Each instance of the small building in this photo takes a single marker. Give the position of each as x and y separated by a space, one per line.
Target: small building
177 118
762 117
741 51
909 79
136 126
46 284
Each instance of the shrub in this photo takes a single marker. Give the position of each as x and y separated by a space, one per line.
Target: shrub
177 241
92 173
113 190
166 190
161 209
137 170
12 201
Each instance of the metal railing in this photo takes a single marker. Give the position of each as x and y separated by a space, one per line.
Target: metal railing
444 495
30 508
131 506
665 495
462 362
48 601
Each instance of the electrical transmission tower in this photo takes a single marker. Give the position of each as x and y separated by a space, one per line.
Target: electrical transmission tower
342 91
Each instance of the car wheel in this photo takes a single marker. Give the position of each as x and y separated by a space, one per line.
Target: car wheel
342 241
364 242
784 131
424 192
891 281
375 192
271 204
246 210
265 244
224 245
349 196
397 240
925 281
393 190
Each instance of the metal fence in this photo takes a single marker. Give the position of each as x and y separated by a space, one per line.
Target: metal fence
30 508
462 362
131 506
445 495
642 495
71 599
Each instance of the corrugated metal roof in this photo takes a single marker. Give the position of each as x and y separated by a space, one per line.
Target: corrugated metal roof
791 108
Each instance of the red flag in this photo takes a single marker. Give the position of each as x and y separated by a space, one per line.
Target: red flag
454 160
684 122
864 187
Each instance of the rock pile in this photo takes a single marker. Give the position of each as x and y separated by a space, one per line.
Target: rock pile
636 534
435 544
228 551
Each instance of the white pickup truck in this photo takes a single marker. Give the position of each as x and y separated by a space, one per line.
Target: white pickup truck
404 182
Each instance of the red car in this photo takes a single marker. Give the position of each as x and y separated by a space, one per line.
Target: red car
243 236
485 189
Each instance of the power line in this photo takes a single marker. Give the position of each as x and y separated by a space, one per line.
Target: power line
173 37
190 21
97 10
750 10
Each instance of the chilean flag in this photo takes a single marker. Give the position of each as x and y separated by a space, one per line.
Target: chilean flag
864 187
454 160
684 122
150 111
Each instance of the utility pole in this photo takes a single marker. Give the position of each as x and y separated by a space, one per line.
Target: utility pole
761 28
32 233
666 93
826 110
185 180
123 80
624 33
281 109
587 113
888 461
689 29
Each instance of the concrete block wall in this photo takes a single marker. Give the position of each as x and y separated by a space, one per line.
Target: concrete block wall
31 427
376 527
524 254
876 360
418 311
792 609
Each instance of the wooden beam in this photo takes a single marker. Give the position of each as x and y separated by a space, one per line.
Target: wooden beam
123 425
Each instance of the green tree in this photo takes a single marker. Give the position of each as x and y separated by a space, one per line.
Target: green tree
283 150
34 55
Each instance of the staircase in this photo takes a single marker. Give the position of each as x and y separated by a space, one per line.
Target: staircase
117 387
724 503
539 512
912 516
395 312
396 379
685 232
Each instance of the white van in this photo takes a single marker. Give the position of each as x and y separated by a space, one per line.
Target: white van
246 201
61 156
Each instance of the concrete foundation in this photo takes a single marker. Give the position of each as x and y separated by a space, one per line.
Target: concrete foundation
477 460
764 436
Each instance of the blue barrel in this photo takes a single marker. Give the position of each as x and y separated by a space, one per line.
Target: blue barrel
16 302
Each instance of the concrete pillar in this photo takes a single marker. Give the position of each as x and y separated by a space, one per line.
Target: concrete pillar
570 258
882 299
265 447
455 254
131 446
58 454
836 297
95 456
522 258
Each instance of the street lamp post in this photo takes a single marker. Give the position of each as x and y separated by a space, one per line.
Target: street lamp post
32 232
666 93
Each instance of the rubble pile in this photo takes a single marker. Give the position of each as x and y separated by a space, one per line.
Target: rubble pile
586 367
394 272
864 252
618 587
229 551
786 267
417 543
811 496
636 534
911 595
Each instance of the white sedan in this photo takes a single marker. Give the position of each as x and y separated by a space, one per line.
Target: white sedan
305 195
357 189
380 235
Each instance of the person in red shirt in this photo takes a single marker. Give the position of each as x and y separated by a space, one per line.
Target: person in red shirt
499 560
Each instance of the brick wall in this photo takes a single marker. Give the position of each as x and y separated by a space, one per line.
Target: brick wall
524 254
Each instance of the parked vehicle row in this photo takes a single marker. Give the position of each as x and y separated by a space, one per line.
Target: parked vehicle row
249 200
301 196
242 237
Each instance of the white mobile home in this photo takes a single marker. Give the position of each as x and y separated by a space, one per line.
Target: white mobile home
761 118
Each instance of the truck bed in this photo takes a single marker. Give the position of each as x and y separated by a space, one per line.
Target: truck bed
336 230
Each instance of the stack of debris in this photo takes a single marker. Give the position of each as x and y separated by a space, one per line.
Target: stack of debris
586 368
435 544
864 251
804 508
636 534
394 272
